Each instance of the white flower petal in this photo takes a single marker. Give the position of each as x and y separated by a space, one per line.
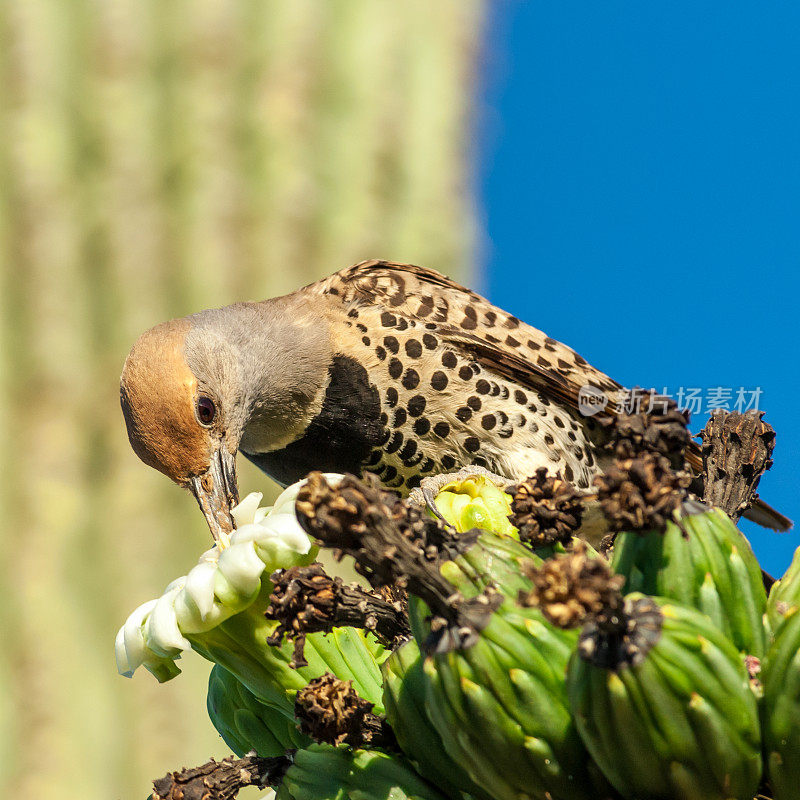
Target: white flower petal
200 587
284 526
241 567
129 646
162 633
244 511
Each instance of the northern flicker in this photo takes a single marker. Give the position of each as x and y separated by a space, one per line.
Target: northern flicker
386 368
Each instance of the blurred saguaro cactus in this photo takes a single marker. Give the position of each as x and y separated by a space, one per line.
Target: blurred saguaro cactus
158 157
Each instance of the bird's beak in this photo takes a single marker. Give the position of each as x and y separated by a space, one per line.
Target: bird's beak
217 493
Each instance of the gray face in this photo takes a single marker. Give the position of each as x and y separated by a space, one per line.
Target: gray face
265 365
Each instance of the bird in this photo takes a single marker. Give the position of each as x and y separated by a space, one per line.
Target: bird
384 368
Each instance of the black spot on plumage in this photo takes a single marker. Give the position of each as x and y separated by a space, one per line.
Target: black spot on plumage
490 318
449 359
512 342
366 340
550 344
542 362
495 389
391 396
474 403
465 373
353 313
490 338
416 405
439 380
392 345
448 462
544 400
431 326
400 417
580 360
568 473
380 352
468 324
511 323
414 348
503 417
464 414
520 396
504 392
362 327
422 426
395 368
376 456
333 290
413 481
520 420
548 438
441 429
402 324
532 407
482 386
533 345
409 448
534 428
388 320
394 442
389 473
505 432
472 444
427 465
565 365
558 421
411 379
488 421
397 299
589 458
572 436
384 418
430 341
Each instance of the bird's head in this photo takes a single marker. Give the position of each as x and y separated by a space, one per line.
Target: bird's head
193 389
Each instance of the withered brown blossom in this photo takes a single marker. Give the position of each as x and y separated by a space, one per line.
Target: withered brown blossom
306 599
330 711
641 493
545 509
660 428
572 587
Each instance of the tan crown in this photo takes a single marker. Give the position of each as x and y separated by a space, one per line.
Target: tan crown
158 393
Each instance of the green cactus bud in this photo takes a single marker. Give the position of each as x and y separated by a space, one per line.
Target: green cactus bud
663 701
700 559
245 723
500 707
784 596
321 772
476 502
780 676
218 611
406 712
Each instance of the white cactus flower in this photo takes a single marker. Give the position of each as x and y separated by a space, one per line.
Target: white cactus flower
226 580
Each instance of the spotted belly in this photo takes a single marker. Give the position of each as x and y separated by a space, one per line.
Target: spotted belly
460 414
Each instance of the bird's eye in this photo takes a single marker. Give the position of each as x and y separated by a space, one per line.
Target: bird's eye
206 410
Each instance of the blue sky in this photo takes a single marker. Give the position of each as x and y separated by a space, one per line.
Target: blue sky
639 183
